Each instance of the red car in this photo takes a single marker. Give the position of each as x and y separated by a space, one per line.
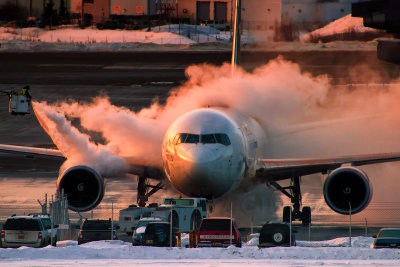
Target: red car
215 232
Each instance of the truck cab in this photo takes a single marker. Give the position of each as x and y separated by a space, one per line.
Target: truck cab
187 213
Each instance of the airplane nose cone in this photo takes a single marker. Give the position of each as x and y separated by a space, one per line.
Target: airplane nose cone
201 155
203 170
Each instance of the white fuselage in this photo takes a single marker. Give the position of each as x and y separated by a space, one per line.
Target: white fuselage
210 152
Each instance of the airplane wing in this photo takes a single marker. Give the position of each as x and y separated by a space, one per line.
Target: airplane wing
280 169
32 151
144 168
136 167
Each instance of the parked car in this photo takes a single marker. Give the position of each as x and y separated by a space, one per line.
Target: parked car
157 234
387 238
276 234
95 230
141 228
30 230
215 232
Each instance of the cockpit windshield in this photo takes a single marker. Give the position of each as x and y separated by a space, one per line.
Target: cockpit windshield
192 138
218 138
208 139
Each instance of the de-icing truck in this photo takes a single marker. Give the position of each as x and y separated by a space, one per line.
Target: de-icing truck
187 213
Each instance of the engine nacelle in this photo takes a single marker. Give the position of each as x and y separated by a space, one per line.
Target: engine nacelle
83 186
346 187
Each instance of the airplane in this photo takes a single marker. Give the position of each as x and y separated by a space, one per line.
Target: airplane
214 151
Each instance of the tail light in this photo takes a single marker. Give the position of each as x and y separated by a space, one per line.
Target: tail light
2 234
127 219
40 236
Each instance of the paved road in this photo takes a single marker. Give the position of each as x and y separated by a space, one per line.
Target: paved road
127 68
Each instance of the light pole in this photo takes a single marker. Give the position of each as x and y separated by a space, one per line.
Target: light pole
82 14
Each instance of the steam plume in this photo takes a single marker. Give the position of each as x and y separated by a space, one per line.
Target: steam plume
277 94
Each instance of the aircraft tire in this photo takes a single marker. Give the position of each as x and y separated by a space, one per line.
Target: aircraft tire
306 216
286 214
195 220
54 244
274 234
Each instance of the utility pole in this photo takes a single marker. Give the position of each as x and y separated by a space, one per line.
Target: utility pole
30 8
350 225
16 9
170 229
112 220
82 14
230 229
236 35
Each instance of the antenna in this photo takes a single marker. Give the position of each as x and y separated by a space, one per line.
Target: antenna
236 35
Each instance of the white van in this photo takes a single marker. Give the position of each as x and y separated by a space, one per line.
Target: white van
31 231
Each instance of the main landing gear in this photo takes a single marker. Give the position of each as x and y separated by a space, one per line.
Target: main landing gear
294 193
144 192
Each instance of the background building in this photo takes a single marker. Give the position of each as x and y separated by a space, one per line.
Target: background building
263 20
93 11
309 15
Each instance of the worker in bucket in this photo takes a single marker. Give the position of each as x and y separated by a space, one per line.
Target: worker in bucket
25 92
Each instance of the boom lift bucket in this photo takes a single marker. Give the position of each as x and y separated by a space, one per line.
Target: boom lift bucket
19 104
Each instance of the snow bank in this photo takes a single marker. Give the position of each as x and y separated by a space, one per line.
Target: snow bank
329 250
118 253
342 25
360 242
185 37
88 36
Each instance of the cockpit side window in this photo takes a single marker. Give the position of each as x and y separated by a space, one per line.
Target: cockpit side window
223 139
176 138
182 138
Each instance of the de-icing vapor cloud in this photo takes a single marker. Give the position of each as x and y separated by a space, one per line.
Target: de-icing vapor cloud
278 95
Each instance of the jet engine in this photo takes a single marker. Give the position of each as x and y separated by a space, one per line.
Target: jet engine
83 186
347 187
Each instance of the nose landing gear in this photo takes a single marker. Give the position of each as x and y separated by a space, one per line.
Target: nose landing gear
144 192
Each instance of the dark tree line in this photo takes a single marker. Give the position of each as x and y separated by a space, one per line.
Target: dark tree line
11 11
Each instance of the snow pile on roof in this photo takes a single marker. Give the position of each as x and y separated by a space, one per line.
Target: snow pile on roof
342 25
252 242
88 36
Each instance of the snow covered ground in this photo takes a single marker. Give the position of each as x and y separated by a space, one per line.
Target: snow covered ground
170 37
118 253
76 35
